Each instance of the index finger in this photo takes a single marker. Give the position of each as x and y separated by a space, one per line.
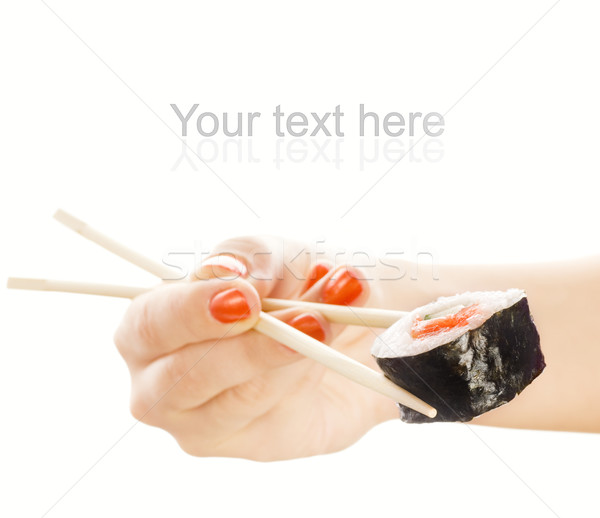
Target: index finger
275 267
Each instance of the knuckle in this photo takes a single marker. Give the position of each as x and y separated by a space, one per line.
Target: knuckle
243 245
177 370
138 407
186 309
250 393
256 251
181 380
136 332
142 324
120 341
146 409
126 334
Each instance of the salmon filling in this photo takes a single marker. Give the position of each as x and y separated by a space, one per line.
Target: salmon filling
424 328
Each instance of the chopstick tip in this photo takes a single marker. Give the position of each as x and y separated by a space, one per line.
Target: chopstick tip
68 220
22 283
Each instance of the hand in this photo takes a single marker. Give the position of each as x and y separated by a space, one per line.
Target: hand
200 372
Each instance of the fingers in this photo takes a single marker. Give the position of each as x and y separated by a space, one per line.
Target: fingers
197 367
170 316
235 407
344 285
214 360
233 411
284 269
276 268
196 373
317 271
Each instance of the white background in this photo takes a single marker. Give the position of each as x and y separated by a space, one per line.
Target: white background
518 181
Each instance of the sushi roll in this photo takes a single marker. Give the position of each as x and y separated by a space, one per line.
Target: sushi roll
464 355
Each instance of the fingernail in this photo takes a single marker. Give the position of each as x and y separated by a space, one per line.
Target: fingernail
318 271
227 264
229 306
343 288
309 325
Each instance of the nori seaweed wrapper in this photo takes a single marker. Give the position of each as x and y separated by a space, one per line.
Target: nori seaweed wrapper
482 369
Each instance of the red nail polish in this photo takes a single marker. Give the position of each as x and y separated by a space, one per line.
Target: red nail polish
318 271
225 265
229 306
343 288
309 325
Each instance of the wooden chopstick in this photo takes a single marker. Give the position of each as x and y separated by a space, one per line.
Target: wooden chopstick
338 362
160 270
347 315
86 288
372 317
267 324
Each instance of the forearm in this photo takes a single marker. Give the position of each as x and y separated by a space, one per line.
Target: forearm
564 299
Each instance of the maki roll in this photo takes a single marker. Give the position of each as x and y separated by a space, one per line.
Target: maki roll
464 355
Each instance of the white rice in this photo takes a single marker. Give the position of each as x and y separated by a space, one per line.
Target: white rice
396 341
